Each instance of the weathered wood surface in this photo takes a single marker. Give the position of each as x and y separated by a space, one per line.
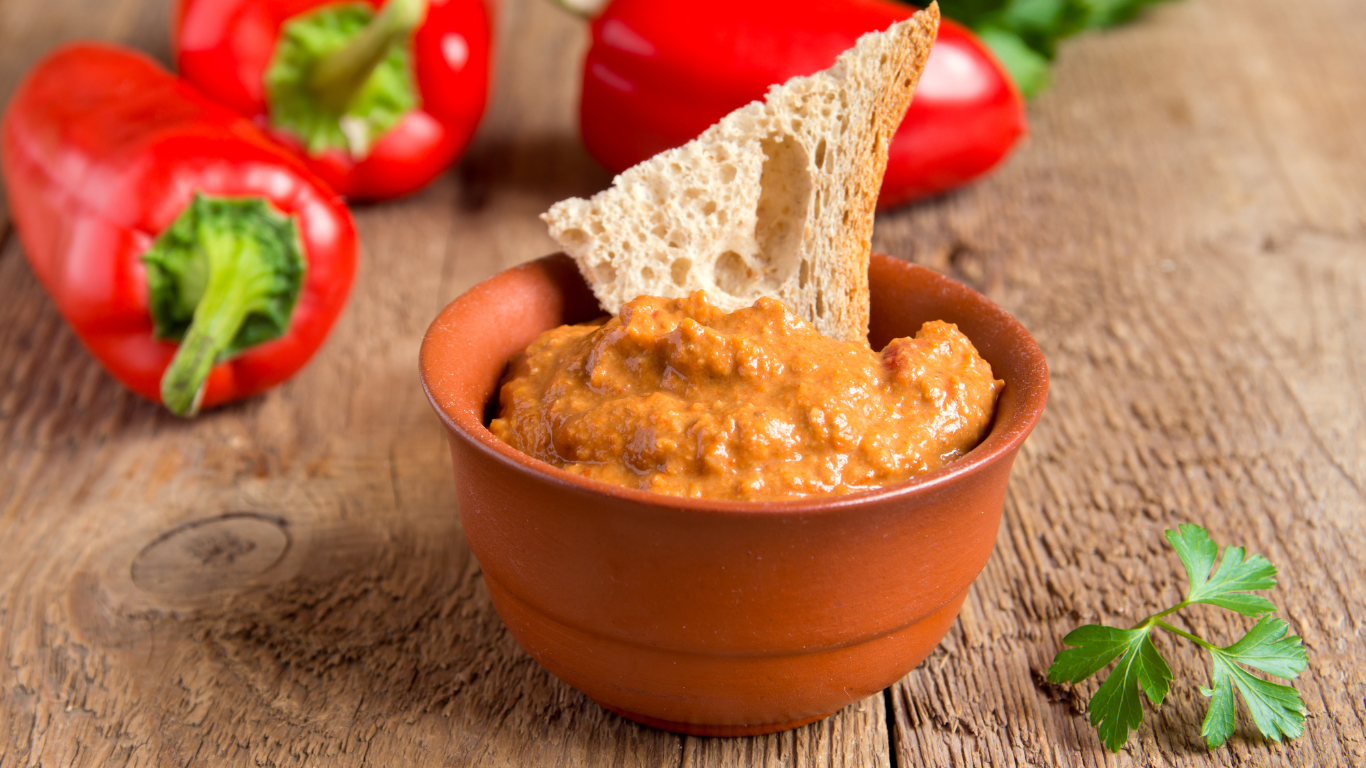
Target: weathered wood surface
283 582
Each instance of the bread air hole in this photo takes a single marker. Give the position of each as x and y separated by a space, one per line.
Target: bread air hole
820 153
679 271
804 275
604 273
820 303
784 199
576 239
731 274
659 191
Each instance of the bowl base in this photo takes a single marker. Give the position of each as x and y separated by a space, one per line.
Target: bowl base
704 729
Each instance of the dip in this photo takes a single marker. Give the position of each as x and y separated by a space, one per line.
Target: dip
676 396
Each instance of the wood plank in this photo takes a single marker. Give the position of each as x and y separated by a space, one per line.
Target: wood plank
284 580
1184 235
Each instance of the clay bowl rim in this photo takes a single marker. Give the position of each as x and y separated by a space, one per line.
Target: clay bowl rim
1000 441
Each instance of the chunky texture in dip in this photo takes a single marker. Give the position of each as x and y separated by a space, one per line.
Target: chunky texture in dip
676 396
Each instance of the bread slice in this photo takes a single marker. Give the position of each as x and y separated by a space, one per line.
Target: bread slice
775 200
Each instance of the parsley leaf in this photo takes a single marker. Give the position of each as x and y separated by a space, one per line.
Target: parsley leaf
1276 709
1238 572
1096 647
1266 647
1117 706
1197 552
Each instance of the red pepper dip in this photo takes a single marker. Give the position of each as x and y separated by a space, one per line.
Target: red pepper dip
676 396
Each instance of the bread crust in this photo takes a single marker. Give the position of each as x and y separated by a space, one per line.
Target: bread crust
892 104
777 199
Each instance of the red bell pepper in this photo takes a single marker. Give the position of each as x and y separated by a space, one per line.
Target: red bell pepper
198 261
659 72
378 104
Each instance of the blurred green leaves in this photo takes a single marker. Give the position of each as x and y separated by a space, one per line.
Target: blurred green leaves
1024 34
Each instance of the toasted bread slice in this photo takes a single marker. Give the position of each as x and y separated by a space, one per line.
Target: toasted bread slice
775 200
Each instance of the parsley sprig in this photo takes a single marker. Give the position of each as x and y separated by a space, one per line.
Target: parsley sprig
1117 706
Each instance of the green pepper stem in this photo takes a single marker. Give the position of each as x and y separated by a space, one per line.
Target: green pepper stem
238 280
339 75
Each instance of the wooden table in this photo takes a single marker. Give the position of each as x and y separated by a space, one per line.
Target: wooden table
284 582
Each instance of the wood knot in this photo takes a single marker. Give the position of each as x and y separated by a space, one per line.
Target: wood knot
211 555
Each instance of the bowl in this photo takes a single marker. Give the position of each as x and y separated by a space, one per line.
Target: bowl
711 617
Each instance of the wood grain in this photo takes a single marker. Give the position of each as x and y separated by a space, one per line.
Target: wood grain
1184 236
284 582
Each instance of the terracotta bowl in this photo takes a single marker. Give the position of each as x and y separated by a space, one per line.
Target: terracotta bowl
721 617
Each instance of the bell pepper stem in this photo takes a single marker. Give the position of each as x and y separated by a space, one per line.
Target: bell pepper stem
238 279
338 76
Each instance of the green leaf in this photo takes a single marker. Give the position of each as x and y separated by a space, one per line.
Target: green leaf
1024 34
1237 573
1038 14
1197 552
1266 647
1096 647
1108 13
1117 707
1222 716
970 12
1027 68
1277 710
1042 23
